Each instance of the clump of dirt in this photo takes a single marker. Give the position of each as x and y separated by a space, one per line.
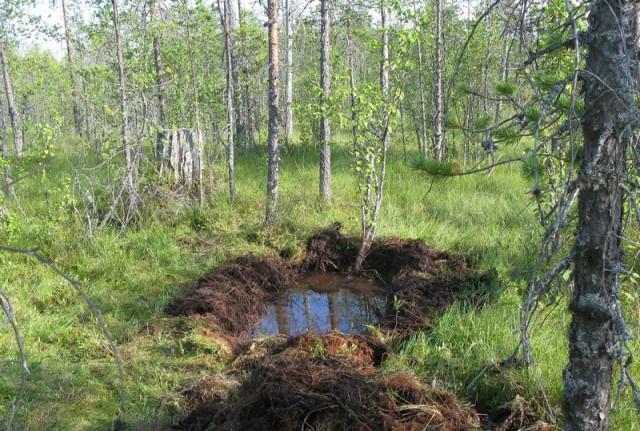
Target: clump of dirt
516 415
330 250
393 255
417 296
330 393
201 399
235 296
359 347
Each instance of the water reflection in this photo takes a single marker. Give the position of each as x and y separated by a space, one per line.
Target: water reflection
321 303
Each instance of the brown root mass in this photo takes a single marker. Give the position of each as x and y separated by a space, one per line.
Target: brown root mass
327 393
234 297
330 381
419 281
360 348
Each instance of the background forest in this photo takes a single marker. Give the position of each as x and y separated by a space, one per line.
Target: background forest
138 159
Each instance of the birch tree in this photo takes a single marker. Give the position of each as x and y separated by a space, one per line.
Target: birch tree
273 140
71 59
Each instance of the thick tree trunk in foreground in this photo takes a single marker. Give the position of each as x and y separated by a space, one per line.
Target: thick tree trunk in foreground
14 116
325 85
71 58
273 141
607 127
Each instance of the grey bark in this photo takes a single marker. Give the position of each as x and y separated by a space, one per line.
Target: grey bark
229 64
179 153
8 182
273 140
325 85
71 58
423 105
607 124
438 124
288 107
157 59
234 9
196 103
14 116
124 110
384 62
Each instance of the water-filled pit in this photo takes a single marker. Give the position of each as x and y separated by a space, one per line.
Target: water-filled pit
322 302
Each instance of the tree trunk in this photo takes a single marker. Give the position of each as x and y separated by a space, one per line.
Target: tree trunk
607 128
124 111
226 26
179 152
384 62
77 109
288 107
8 182
352 91
438 124
196 105
325 85
233 8
157 59
423 105
14 117
273 144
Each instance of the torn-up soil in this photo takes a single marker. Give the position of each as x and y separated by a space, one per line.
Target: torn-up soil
330 381
236 295
416 280
358 347
327 393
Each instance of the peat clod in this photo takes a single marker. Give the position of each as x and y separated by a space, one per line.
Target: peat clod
329 250
358 347
515 415
234 297
324 392
390 256
419 296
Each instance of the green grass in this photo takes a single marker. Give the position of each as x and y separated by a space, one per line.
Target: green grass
133 275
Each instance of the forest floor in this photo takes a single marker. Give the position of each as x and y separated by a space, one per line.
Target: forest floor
435 358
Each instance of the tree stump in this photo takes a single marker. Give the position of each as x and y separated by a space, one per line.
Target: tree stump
178 152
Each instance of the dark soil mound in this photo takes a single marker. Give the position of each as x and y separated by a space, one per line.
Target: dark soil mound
235 295
418 296
391 256
332 394
329 250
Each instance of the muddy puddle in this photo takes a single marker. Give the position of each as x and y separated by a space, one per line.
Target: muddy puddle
322 302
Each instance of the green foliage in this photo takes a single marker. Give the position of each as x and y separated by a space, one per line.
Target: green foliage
434 168
506 89
507 135
532 114
483 122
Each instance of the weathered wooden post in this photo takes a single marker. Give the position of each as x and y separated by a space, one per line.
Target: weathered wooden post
178 152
